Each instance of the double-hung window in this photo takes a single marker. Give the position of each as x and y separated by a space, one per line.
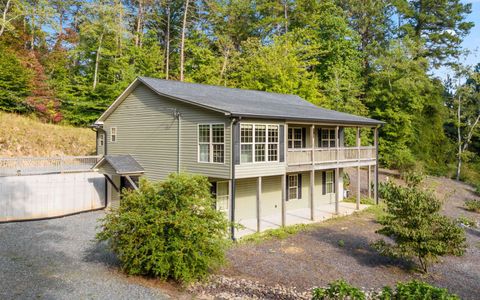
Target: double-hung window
211 143
293 187
295 137
258 143
113 134
327 138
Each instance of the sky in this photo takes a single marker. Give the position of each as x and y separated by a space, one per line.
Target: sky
471 42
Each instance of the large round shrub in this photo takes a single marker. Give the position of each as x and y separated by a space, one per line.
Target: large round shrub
168 230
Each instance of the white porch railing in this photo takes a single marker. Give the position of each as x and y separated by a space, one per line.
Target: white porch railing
45 165
329 155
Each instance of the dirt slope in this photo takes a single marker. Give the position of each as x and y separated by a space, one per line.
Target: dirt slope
24 136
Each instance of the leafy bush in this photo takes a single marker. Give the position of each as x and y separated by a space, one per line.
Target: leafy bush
339 289
413 178
465 221
416 227
168 230
473 205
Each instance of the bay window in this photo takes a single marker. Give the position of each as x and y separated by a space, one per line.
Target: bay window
258 143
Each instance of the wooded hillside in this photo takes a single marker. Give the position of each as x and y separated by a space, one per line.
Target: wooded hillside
67 60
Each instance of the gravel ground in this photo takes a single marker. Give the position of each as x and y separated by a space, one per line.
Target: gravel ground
58 259
340 249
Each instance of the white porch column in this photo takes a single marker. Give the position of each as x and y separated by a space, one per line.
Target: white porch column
337 191
337 144
375 170
359 181
312 192
259 211
312 141
284 199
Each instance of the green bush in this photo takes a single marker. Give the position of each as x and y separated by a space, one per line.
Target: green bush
473 205
466 221
340 289
168 230
416 227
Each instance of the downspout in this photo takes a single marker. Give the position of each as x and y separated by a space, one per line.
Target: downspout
376 165
177 116
233 185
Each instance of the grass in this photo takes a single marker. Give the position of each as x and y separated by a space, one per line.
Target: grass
472 205
27 136
363 200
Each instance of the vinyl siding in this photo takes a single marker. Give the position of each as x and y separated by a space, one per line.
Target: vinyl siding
245 199
271 198
147 130
304 202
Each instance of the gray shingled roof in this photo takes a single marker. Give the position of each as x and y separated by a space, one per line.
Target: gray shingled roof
123 164
249 103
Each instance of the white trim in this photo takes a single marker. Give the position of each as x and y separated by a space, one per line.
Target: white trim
210 143
266 143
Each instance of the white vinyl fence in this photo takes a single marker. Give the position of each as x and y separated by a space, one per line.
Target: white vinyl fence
58 189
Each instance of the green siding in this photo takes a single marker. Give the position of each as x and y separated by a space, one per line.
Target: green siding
245 199
271 198
147 129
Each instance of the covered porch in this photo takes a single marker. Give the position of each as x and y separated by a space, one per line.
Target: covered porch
323 212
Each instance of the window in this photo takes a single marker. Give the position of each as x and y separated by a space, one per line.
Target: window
113 134
258 143
295 137
292 186
222 196
327 138
211 146
329 182
101 139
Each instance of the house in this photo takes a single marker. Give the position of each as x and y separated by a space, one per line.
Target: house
273 159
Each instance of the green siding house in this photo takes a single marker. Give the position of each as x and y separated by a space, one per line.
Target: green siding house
273 159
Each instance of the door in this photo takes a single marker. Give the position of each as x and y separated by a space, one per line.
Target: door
222 196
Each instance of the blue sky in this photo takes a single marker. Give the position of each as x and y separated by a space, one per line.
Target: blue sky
472 41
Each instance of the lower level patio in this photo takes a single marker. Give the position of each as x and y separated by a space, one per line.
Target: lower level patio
298 216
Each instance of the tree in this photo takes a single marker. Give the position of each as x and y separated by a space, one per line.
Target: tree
416 227
168 230
14 83
439 25
464 100
182 40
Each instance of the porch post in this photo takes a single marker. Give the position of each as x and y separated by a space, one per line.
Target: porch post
369 180
337 144
359 181
337 191
312 140
375 182
259 211
312 200
284 199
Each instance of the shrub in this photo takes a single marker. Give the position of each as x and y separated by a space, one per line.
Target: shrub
340 289
416 227
473 205
465 221
168 230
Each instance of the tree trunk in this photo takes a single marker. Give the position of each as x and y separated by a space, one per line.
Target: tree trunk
32 38
167 43
224 65
182 41
4 18
97 61
459 137
285 12
139 29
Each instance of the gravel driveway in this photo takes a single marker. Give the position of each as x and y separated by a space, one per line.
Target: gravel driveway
58 259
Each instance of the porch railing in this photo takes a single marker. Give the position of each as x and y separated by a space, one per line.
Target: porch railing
329 155
45 165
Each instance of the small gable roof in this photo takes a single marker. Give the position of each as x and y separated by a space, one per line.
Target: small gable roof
246 103
121 164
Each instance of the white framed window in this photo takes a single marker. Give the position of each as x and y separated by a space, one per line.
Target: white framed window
211 143
101 139
327 138
259 143
295 137
329 182
292 186
113 134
